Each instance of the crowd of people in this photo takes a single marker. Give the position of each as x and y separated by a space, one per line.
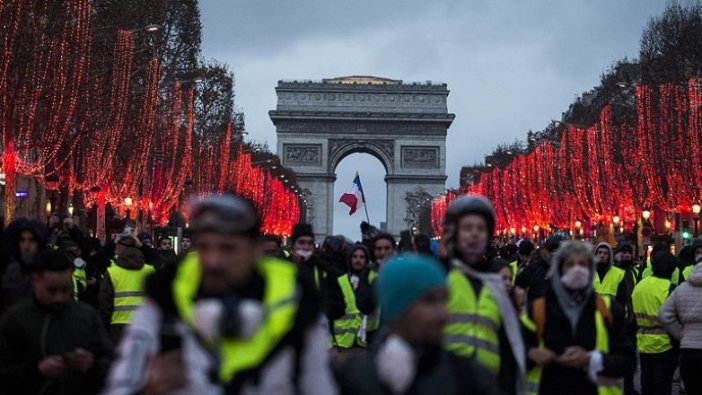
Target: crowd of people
237 312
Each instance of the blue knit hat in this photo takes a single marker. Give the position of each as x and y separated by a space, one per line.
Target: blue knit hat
403 280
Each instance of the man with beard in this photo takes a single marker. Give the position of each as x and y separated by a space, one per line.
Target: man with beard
50 343
26 238
483 323
410 360
247 322
607 277
350 302
383 248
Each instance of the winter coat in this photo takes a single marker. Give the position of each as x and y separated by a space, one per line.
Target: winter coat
438 372
106 296
28 333
142 340
335 305
533 278
299 363
681 314
14 277
558 335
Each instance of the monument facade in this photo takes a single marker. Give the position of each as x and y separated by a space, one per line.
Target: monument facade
404 125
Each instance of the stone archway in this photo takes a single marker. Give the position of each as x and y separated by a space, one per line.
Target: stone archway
404 125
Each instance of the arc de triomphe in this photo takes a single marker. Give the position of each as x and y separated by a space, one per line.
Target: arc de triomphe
403 125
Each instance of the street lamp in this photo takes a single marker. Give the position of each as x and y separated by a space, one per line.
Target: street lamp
70 209
615 220
48 208
578 224
152 28
696 212
524 229
646 214
128 202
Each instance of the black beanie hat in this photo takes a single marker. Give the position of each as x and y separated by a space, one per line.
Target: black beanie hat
300 230
526 247
624 248
663 264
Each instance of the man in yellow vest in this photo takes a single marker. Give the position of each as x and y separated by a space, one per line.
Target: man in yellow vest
122 288
607 276
658 355
350 303
483 323
255 313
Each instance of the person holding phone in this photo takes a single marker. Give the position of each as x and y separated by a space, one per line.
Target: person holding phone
51 343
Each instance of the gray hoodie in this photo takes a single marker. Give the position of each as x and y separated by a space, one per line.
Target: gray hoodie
681 314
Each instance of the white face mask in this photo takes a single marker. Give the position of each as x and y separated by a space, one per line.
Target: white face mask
577 278
304 254
396 364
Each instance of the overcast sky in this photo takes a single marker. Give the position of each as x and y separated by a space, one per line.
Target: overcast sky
511 65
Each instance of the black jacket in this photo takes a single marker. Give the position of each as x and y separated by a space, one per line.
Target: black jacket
28 333
619 362
533 279
438 372
335 305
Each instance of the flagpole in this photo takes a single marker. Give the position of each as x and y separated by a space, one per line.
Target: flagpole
363 196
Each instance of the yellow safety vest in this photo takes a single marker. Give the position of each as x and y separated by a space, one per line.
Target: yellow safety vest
347 327
607 385
279 299
373 323
514 266
474 322
609 285
129 291
687 271
648 272
647 299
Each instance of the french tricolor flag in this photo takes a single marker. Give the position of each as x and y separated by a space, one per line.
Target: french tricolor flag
354 198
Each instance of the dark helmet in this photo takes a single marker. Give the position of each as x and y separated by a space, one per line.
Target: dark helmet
471 204
228 214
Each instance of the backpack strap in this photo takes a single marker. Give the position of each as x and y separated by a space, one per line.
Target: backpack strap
538 312
603 307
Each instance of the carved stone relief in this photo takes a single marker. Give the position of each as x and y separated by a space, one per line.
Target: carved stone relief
420 157
416 201
302 154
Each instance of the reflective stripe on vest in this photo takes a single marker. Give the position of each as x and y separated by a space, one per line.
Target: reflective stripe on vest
609 285
474 322
647 299
280 300
128 288
347 327
605 385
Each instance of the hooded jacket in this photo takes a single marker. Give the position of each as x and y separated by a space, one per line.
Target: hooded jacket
131 259
334 305
15 275
681 314
562 331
